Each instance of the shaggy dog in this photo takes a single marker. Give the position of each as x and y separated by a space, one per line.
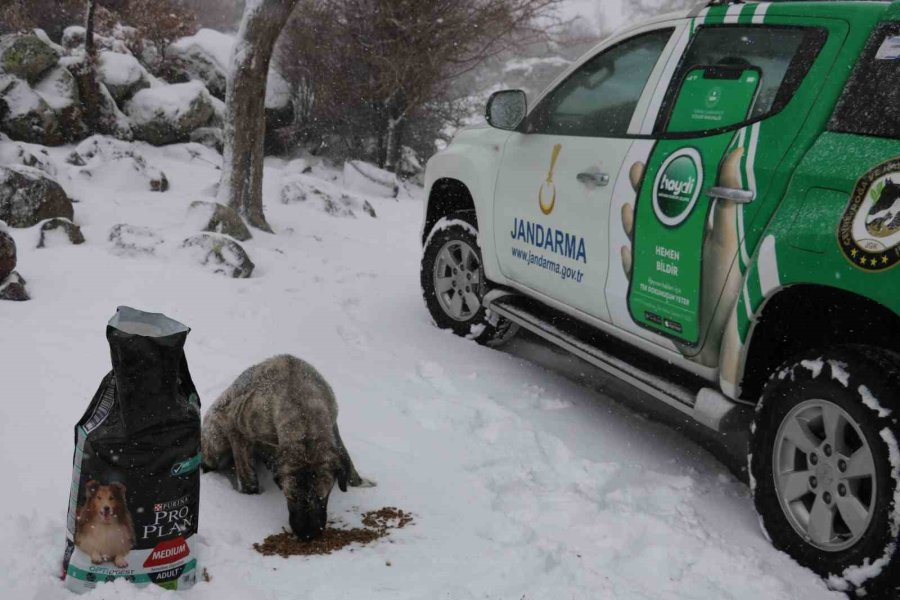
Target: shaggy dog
104 529
285 413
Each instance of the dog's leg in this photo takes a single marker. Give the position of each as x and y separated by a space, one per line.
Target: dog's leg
96 558
120 561
243 465
354 480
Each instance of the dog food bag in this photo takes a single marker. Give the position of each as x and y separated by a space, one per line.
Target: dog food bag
135 494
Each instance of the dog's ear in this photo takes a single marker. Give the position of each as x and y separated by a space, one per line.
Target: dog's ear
90 488
119 487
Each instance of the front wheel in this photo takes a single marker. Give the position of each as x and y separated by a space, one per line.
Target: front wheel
825 466
453 283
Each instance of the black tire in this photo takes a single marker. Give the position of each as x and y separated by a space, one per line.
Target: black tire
458 231
864 384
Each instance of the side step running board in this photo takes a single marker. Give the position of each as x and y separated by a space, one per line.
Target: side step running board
703 404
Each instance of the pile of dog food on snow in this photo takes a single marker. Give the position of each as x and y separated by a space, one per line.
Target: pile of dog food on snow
376 525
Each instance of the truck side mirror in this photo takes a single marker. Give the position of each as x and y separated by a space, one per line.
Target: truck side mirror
507 109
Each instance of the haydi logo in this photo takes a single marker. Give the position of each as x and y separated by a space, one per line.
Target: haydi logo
680 189
548 188
677 187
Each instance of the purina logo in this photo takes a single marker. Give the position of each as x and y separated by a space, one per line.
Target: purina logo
677 187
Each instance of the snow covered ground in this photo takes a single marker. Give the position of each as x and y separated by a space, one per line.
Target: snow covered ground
524 484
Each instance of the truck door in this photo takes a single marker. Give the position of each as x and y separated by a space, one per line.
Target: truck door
737 103
553 193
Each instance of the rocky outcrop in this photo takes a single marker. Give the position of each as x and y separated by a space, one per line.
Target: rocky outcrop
56 231
26 56
28 196
168 114
202 57
218 218
220 254
13 288
7 254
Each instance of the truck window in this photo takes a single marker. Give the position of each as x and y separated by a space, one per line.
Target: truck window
782 56
599 99
870 104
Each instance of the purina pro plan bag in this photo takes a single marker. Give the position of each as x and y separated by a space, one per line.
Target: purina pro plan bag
135 495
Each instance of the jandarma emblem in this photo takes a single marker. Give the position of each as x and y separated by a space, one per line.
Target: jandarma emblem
548 188
869 231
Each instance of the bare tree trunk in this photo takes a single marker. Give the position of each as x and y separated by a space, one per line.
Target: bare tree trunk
392 145
245 99
89 49
86 74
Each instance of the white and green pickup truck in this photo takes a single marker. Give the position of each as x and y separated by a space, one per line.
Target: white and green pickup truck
708 207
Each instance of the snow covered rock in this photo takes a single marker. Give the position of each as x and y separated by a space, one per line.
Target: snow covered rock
220 254
60 232
168 114
322 195
116 164
13 288
26 56
218 218
369 180
7 254
73 39
59 90
131 240
203 57
122 75
211 137
26 155
27 116
28 196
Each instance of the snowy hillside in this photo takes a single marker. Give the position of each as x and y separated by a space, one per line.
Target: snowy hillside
523 483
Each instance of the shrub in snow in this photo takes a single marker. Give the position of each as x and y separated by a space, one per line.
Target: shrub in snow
26 56
130 240
7 255
369 180
211 137
218 218
220 255
27 116
324 196
168 114
122 75
117 164
60 232
28 196
13 288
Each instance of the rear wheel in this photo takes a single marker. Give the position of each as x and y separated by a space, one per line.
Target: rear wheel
453 283
825 466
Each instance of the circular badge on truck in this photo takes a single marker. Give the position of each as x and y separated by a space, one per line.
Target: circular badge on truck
677 187
869 231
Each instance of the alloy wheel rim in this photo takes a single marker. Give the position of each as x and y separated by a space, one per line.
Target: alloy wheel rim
457 280
824 475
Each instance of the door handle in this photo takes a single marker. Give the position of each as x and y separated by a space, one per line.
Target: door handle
735 195
595 178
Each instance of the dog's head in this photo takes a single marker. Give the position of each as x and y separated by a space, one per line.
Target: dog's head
106 502
307 491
